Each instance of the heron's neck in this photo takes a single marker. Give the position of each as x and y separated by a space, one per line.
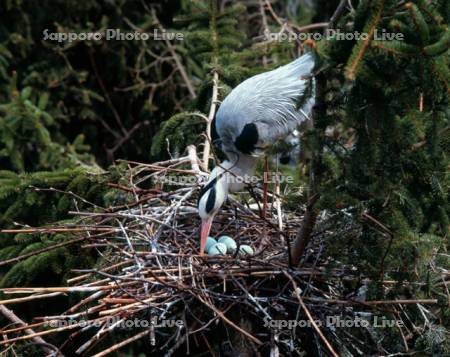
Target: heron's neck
234 174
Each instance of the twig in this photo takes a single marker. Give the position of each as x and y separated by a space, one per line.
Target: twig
46 347
105 93
58 230
337 14
193 158
28 298
351 70
308 314
229 322
212 112
121 344
304 234
39 251
178 63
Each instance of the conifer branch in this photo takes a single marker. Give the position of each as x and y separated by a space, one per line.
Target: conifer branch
359 51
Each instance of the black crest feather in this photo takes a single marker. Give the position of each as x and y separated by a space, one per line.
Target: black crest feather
246 141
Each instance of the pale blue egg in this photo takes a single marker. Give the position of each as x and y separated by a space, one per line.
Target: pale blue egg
209 243
230 243
245 250
218 249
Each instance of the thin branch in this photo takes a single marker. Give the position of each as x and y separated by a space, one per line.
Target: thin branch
46 347
311 319
337 14
212 113
177 60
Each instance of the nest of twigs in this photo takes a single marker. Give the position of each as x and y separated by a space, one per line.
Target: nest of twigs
153 286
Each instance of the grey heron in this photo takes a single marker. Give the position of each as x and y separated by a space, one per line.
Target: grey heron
258 112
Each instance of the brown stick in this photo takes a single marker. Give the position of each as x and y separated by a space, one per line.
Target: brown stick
373 302
112 267
350 72
21 328
32 335
337 14
121 344
28 298
304 234
178 63
229 322
38 340
265 187
39 251
59 230
308 314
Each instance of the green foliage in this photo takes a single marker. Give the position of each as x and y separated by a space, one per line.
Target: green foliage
60 95
214 40
25 139
434 342
39 199
382 143
396 166
175 133
388 111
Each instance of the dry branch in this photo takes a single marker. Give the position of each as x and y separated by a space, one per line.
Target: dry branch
11 316
152 270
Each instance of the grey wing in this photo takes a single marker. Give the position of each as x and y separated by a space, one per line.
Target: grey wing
266 107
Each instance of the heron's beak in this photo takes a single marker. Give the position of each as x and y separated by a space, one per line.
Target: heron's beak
206 227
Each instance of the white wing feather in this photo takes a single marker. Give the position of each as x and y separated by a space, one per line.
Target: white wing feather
270 101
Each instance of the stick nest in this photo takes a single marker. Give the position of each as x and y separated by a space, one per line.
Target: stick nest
151 274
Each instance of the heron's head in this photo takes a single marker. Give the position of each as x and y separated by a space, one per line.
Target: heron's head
211 198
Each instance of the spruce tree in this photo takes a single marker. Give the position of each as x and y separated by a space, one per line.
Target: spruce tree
383 151
380 146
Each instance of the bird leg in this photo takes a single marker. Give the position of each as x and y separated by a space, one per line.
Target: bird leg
265 186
